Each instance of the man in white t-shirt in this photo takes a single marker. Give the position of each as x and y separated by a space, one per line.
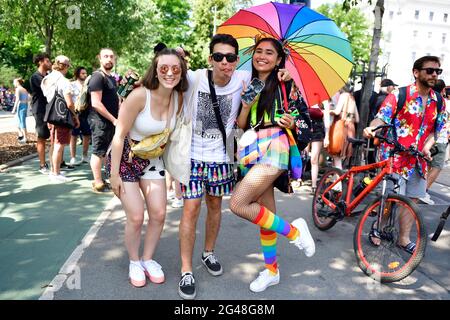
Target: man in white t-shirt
59 135
212 172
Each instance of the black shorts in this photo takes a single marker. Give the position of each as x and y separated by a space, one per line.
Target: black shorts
102 135
84 128
41 126
318 133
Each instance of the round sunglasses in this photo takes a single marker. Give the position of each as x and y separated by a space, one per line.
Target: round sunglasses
165 68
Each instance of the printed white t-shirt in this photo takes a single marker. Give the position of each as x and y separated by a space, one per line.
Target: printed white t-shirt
207 143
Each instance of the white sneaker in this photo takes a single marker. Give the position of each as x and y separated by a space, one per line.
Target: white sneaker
427 199
136 274
85 159
153 271
304 241
170 195
264 280
73 162
58 178
177 203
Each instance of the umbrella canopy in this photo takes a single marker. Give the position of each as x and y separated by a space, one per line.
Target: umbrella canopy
320 58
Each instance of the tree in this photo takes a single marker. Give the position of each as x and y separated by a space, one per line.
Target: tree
205 15
369 78
354 25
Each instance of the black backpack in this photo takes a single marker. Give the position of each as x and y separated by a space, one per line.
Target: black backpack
402 100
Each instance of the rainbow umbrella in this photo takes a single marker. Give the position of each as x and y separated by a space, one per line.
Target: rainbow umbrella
320 57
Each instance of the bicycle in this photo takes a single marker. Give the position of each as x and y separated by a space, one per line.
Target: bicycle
334 200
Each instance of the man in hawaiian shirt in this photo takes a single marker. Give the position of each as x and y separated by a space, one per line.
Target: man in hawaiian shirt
417 124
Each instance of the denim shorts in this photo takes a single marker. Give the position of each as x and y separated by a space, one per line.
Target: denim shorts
414 187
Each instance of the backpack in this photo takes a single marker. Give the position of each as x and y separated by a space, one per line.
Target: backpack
83 101
402 100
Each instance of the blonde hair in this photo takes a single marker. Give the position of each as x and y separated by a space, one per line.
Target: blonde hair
61 62
19 81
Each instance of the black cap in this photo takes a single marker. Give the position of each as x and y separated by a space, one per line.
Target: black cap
387 83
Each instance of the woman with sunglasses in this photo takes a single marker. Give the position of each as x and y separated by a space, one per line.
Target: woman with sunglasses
144 113
268 159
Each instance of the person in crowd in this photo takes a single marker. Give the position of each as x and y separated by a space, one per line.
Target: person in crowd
80 75
318 134
266 161
174 193
60 136
144 113
417 123
38 104
438 160
212 173
102 117
21 106
387 86
345 109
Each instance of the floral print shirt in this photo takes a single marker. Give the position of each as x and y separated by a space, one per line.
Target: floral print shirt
414 123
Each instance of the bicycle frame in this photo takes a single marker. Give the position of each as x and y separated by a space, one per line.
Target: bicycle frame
386 166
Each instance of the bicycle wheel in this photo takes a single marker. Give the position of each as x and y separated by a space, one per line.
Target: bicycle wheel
388 262
321 213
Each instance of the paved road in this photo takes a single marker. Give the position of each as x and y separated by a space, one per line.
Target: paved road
8 122
72 239
101 271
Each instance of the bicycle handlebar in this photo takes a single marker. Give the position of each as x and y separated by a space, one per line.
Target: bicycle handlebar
398 147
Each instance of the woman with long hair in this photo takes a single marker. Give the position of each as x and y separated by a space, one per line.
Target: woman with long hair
145 112
267 160
21 106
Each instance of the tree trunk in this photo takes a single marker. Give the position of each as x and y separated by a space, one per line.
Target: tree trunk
48 40
368 84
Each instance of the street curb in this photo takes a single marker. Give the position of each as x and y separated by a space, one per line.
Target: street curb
16 162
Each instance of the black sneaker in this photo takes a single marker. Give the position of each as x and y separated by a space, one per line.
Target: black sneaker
186 286
44 169
212 264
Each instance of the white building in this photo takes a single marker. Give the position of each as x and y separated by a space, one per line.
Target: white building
412 29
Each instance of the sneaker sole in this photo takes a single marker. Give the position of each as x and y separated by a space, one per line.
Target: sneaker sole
264 289
185 296
214 273
137 284
154 279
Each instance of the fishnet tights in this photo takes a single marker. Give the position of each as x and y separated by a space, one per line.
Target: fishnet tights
255 183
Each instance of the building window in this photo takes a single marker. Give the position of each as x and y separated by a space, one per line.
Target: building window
445 17
431 15
429 35
416 14
444 36
442 58
391 15
415 33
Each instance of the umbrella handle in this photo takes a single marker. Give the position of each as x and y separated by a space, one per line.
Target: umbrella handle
285 101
